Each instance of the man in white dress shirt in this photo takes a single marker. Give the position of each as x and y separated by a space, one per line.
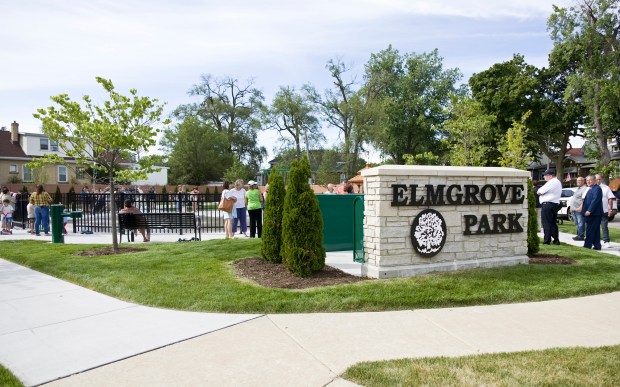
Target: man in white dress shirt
550 194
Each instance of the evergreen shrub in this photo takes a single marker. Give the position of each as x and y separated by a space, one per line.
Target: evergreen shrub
271 238
302 224
533 242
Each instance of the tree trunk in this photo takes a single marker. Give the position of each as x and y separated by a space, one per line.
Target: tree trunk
113 213
601 137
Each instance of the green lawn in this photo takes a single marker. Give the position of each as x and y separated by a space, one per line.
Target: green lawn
7 379
197 276
552 367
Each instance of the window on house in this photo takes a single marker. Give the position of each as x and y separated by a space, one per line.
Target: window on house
53 146
80 173
62 174
13 168
44 143
27 172
615 148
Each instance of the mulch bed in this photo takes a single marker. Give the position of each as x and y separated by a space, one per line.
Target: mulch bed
550 259
275 275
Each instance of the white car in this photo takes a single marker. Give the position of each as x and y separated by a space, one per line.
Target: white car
565 210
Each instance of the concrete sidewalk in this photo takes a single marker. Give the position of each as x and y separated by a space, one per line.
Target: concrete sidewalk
53 331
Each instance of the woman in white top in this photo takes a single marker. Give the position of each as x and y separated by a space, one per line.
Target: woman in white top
228 216
239 208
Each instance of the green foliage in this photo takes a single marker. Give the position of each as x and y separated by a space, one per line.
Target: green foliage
237 171
302 249
200 152
25 189
14 179
466 130
105 136
512 148
291 114
57 196
164 190
271 239
413 90
215 191
7 379
533 242
232 109
345 107
426 158
587 33
328 171
72 190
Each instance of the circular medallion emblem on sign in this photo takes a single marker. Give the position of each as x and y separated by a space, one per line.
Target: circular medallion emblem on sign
428 233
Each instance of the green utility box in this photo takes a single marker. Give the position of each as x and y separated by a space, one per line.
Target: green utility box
343 222
57 216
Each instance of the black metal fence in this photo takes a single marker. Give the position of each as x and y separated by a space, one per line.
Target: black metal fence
95 208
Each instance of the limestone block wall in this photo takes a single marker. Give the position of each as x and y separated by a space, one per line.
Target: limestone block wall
388 247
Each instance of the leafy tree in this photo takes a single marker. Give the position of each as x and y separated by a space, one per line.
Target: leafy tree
237 171
291 115
413 89
505 91
510 89
426 158
200 153
589 32
466 130
232 108
302 249
328 171
512 148
271 239
104 136
345 107
533 241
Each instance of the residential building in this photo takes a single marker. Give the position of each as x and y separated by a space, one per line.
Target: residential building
17 149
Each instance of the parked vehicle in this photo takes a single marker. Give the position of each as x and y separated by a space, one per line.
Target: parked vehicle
565 211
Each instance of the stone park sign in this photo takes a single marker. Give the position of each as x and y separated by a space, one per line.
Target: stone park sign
420 219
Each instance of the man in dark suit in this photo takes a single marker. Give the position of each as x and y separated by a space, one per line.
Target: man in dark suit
593 212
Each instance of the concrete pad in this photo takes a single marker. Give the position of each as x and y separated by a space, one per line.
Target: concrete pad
585 321
255 353
343 339
50 329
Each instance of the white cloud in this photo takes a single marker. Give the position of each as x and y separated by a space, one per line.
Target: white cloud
162 47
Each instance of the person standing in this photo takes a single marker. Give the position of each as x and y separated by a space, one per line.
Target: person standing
228 216
181 198
575 203
330 189
41 201
550 194
593 212
253 201
607 201
194 198
150 199
239 209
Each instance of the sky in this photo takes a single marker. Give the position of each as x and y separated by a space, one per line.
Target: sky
162 48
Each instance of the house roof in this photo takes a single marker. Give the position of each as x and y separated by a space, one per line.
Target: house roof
8 148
